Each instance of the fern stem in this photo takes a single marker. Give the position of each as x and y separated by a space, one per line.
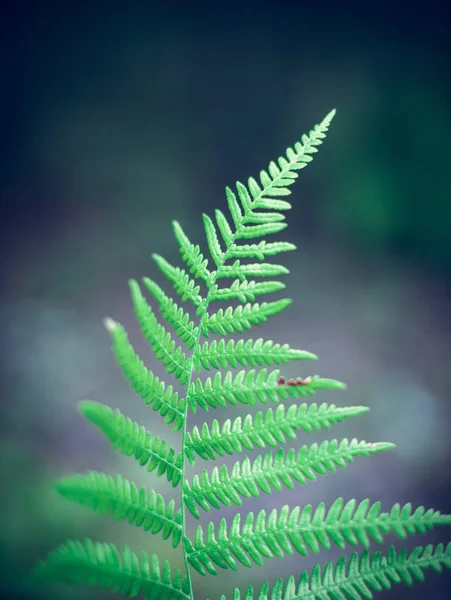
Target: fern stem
197 349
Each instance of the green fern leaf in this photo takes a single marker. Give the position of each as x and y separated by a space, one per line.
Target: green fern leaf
272 203
269 428
212 239
256 211
249 232
162 344
246 353
245 290
357 577
242 317
191 254
250 387
274 184
133 440
234 208
174 315
124 500
224 228
285 531
182 283
249 270
260 250
265 217
244 196
247 202
101 565
272 471
163 399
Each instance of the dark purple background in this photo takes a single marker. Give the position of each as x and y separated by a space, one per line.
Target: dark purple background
117 118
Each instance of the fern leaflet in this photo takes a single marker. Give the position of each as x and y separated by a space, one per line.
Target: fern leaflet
302 530
102 565
246 353
133 440
355 578
151 389
266 428
250 387
272 471
124 500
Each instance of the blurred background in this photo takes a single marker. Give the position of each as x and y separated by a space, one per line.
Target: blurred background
118 117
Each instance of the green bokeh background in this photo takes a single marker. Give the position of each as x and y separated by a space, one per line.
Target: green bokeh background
120 117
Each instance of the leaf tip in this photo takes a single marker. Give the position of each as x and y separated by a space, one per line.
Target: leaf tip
382 446
109 324
331 114
134 287
93 411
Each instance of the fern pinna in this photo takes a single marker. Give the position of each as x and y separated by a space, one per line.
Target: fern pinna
256 211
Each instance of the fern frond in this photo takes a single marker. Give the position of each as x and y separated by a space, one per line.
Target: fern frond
283 175
181 282
273 185
269 428
101 564
239 256
250 387
164 347
242 317
174 315
191 254
124 500
246 353
245 290
285 531
153 391
133 440
271 472
356 578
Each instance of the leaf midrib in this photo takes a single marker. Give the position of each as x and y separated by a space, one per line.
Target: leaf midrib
210 284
